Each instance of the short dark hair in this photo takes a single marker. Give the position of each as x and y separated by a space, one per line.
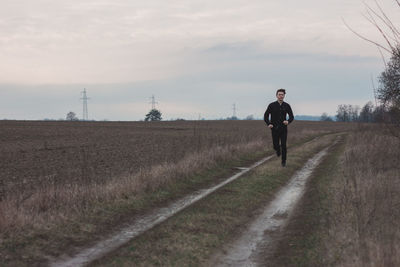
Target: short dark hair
281 90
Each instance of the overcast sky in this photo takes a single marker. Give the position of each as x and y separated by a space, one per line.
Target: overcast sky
195 56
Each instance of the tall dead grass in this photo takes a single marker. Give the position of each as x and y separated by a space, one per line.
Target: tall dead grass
365 223
53 203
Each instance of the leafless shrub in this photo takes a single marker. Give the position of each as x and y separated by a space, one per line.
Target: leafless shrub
388 91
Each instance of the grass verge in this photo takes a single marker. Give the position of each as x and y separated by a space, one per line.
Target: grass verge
192 236
350 215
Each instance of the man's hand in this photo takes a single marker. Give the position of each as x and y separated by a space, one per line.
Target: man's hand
270 126
285 122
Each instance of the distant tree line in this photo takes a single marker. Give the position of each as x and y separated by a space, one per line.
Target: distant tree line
388 94
353 113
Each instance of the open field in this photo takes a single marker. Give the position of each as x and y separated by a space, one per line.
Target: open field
33 154
37 153
64 184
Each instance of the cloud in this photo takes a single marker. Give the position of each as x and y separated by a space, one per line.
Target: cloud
197 55
120 41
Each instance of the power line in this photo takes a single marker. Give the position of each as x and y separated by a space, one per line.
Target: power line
85 113
153 102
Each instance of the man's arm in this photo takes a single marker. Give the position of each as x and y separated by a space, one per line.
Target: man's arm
290 112
266 115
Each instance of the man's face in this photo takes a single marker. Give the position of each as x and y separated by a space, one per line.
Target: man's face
280 96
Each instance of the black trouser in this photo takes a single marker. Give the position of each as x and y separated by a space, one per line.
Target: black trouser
280 134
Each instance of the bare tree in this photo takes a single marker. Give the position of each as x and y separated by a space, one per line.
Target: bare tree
153 115
347 113
250 117
342 113
384 25
388 91
71 116
325 117
367 113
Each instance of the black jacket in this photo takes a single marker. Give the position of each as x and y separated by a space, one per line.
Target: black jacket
278 114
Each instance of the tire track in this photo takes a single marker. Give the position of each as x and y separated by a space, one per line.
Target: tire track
144 223
259 236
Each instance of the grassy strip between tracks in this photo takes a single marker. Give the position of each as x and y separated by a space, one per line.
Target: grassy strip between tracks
191 237
33 247
300 243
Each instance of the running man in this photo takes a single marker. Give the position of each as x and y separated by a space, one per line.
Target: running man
278 123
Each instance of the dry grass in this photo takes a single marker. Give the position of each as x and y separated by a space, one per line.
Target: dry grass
53 203
364 227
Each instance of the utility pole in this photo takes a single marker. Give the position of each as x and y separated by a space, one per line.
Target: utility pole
234 110
85 113
153 102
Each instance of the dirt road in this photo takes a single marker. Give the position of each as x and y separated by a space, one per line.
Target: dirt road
259 237
243 252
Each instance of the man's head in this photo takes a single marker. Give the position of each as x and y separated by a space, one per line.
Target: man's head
280 94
